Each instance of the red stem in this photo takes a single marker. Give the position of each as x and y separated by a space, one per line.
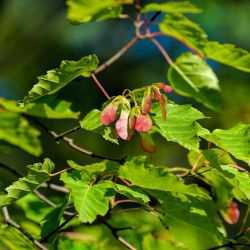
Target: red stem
100 86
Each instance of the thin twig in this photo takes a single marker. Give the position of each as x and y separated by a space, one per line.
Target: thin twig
115 57
45 239
60 172
9 221
171 63
71 143
100 86
244 222
59 136
115 231
55 187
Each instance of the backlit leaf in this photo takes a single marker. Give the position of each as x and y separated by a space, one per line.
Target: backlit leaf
56 110
172 7
38 173
15 130
84 11
142 174
236 141
56 79
180 125
181 28
191 76
89 200
229 55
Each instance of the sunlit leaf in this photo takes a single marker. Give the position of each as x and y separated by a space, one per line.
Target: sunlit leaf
38 173
14 239
15 130
142 174
172 7
191 76
229 55
236 141
56 110
180 125
89 199
84 11
183 29
56 79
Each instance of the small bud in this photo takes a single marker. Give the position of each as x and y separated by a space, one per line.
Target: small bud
163 108
232 214
166 88
122 125
147 143
157 94
143 123
146 101
108 114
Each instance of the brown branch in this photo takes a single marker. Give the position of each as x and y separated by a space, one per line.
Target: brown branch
71 143
46 238
55 187
59 136
10 222
115 57
60 172
100 86
115 231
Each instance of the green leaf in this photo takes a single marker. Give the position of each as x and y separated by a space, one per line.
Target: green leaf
89 200
131 193
172 7
92 122
52 220
56 110
15 130
188 218
38 173
84 11
240 182
180 126
147 176
229 55
191 76
149 243
236 141
14 239
181 28
56 79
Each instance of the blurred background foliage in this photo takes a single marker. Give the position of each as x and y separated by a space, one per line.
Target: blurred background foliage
35 36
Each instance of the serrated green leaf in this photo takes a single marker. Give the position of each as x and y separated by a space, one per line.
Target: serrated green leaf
145 175
131 193
84 11
57 110
52 220
38 173
172 7
188 218
180 126
45 108
229 55
236 141
15 130
149 243
14 239
240 182
191 76
56 79
92 122
89 200
180 27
